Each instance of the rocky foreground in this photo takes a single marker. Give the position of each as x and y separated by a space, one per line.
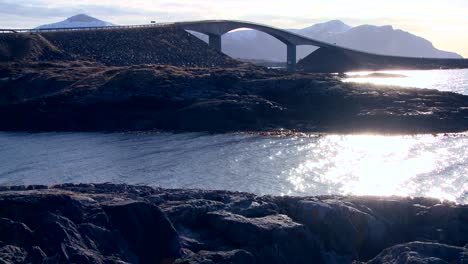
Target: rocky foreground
108 223
89 96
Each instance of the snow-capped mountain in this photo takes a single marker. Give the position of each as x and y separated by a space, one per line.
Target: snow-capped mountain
80 20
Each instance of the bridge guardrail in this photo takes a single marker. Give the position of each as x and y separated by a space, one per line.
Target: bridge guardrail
40 30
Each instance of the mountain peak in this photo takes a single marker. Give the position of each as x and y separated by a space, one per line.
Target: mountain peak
80 20
332 26
335 22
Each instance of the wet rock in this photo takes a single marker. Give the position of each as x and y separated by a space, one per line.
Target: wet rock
12 254
422 253
14 232
237 256
146 229
344 229
253 207
26 208
271 239
191 212
36 255
361 227
71 227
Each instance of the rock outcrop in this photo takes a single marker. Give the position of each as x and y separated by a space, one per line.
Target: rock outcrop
85 96
108 223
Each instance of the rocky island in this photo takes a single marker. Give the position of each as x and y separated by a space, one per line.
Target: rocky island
85 96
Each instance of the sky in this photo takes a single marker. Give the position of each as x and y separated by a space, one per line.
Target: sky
443 22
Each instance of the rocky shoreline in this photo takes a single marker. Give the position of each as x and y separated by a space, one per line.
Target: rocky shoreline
107 223
88 96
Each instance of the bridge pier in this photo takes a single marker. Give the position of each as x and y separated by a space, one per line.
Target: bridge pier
291 58
215 41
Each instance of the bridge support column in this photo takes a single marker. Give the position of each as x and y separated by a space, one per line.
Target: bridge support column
215 41
291 58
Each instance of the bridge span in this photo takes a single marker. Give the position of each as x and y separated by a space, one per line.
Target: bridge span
216 28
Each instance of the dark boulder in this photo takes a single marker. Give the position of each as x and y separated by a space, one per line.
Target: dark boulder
15 233
271 239
68 227
146 229
422 253
12 254
237 256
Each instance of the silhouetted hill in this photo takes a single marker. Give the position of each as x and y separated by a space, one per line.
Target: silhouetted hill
389 41
338 60
20 47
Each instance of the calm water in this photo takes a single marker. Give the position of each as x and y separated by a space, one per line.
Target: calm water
422 165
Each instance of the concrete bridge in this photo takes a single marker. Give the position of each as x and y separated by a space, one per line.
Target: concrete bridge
216 28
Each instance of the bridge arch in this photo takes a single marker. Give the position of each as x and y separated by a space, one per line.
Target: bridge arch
216 28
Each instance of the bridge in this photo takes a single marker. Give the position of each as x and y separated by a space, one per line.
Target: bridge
216 28
330 53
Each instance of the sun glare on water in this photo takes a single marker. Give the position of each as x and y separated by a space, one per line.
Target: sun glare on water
444 80
375 165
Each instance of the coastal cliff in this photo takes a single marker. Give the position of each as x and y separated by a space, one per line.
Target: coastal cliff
107 223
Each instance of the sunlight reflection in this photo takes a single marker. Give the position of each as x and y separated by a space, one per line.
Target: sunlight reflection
369 165
445 80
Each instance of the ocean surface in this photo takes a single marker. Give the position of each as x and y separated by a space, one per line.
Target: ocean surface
443 80
421 165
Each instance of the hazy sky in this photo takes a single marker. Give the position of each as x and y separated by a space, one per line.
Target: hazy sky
444 22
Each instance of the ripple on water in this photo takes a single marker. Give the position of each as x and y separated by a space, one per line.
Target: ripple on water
419 165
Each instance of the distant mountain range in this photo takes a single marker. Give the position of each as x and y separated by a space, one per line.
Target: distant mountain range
80 20
250 44
256 45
